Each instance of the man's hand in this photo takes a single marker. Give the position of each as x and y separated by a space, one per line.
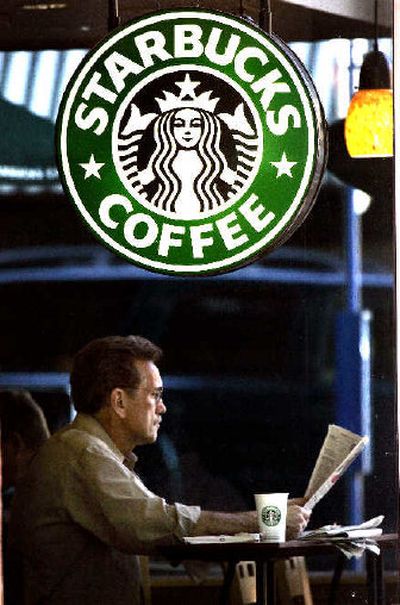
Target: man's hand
297 518
214 523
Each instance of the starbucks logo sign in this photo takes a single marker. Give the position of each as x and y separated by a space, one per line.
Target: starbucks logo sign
271 515
186 159
191 142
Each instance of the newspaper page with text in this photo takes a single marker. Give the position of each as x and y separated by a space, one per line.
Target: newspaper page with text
338 451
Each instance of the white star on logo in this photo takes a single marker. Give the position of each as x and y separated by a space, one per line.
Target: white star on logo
284 166
92 168
187 87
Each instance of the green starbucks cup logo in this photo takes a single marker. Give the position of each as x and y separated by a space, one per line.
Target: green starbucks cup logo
271 515
191 142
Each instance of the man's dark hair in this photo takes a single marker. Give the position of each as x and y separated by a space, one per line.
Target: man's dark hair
19 413
105 364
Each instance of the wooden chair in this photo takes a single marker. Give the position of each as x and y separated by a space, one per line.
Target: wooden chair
293 584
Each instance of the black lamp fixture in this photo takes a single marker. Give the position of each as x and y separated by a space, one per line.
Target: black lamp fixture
369 121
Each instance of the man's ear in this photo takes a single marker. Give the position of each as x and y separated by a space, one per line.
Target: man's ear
117 401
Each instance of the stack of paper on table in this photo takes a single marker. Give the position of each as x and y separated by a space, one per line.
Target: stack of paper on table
242 537
368 529
352 540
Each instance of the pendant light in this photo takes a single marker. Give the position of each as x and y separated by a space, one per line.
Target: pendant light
369 121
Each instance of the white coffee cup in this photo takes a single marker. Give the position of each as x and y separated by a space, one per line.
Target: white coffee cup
271 512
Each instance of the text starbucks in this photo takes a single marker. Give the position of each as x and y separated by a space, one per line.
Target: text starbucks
188 43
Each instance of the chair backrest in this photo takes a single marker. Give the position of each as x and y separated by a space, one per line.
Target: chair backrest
293 585
146 583
246 573
293 582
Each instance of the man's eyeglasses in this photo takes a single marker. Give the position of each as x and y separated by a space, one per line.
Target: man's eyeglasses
157 394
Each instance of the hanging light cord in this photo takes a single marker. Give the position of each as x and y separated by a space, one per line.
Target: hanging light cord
114 20
265 18
376 26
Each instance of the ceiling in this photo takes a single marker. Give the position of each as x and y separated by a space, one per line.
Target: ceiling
80 24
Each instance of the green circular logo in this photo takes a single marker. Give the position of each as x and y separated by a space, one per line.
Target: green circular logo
271 515
191 142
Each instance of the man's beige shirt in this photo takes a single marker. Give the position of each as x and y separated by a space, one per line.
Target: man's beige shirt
80 515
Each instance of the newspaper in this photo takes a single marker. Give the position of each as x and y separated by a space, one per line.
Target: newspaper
367 529
338 451
352 540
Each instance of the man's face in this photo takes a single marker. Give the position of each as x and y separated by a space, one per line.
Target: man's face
145 405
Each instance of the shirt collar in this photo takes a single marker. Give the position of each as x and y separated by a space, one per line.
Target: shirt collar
86 422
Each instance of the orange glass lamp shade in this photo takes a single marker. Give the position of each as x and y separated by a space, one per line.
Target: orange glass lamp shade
368 128
369 124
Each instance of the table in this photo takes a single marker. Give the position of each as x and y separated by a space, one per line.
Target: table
265 555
